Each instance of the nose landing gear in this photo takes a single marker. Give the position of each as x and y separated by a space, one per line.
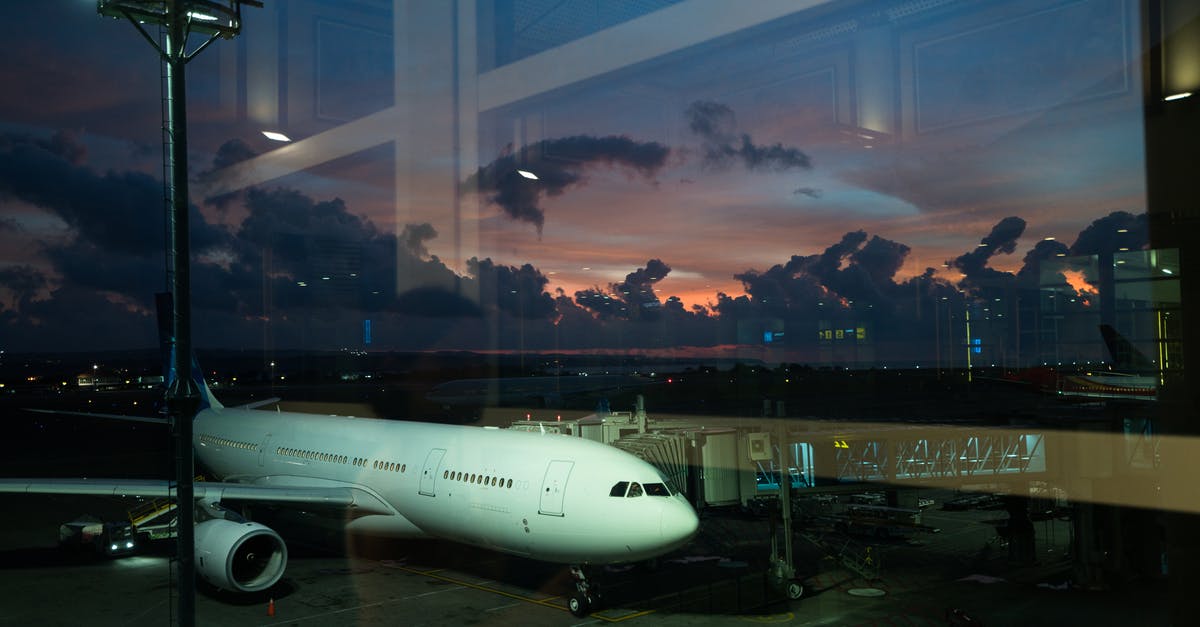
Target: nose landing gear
586 598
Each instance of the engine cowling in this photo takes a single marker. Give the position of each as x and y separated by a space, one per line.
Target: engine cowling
239 556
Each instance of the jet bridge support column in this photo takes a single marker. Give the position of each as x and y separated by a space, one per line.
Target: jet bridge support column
1022 543
783 568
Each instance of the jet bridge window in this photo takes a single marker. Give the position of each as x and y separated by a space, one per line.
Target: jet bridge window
619 489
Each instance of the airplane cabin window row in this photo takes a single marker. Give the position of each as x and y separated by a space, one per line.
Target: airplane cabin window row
390 466
208 439
313 455
477 479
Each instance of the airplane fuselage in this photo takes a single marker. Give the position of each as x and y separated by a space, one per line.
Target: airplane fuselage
545 496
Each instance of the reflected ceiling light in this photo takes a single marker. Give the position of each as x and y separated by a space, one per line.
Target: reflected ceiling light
1061 255
1167 271
276 136
1048 239
527 174
203 17
1122 230
1179 96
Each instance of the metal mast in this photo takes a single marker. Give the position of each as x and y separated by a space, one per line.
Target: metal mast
179 19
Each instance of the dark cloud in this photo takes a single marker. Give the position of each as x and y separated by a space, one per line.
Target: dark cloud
232 152
808 191
633 298
716 125
414 237
118 212
559 165
518 292
1117 230
1029 274
1001 240
881 259
23 282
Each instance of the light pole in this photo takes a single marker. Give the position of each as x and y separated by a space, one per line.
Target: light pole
179 19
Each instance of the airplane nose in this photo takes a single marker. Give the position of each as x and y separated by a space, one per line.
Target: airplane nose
679 522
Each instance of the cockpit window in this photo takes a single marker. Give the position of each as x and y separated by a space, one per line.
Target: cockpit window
635 489
657 489
619 489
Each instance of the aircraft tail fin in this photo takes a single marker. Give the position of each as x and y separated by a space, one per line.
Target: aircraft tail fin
166 341
1124 354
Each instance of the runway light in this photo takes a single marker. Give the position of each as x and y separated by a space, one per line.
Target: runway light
527 174
1179 96
276 136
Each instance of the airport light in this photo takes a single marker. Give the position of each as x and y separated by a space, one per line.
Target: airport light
527 174
276 136
177 21
1179 96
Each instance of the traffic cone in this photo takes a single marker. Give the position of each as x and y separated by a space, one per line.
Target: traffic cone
271 607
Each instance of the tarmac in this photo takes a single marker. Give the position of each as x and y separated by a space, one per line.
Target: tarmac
948 578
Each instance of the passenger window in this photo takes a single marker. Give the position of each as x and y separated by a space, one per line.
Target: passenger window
619 489
635 489
510 483
657 489
445 474
493 482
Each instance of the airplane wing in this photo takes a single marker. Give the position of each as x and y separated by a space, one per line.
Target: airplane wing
357 500
257 404
58 412
148 419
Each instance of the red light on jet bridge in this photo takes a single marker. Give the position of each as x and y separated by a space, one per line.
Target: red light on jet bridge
527 416
558 417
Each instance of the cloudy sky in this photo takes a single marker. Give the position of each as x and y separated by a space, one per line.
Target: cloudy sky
677 205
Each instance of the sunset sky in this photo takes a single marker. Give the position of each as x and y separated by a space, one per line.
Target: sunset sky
720 163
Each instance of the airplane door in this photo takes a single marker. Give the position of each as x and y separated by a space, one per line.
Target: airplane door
554 487
262 451
429 473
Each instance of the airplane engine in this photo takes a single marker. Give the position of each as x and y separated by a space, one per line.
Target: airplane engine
239 556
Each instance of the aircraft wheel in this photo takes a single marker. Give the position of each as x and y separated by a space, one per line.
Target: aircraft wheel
795 590
578 605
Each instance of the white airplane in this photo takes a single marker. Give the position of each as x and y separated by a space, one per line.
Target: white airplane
549 497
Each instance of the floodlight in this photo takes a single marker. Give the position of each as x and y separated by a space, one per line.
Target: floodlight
216 18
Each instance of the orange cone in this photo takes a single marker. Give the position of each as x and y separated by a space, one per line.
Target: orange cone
271 607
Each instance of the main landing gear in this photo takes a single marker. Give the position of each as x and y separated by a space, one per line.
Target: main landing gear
586 597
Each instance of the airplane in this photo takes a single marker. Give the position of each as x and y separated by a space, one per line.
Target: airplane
548 497
1134 379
